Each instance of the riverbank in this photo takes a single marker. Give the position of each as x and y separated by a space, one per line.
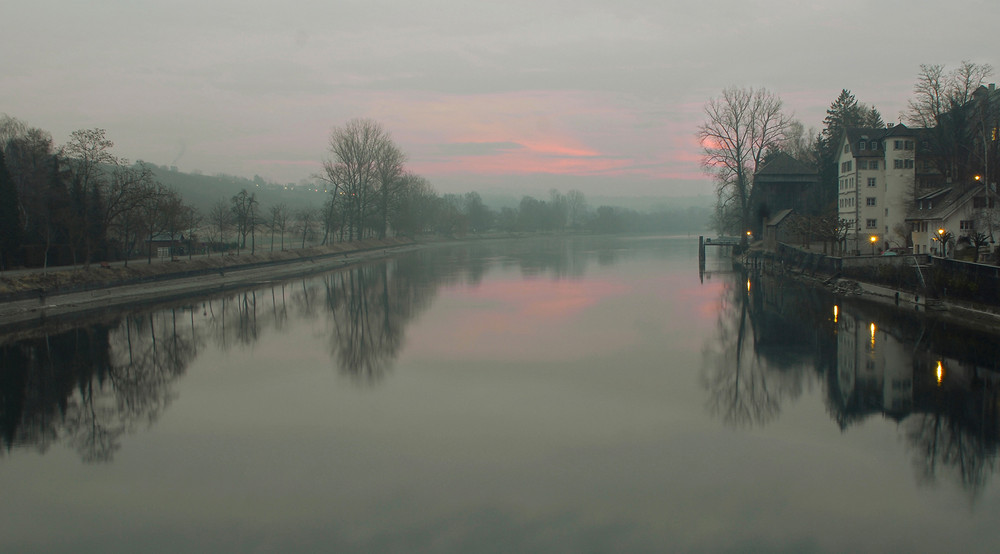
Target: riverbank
36 297
979 315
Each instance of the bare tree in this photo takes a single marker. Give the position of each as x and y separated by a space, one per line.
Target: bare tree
278 223
306 223
413 210
741 126
89 151
191 220
389 168
220 219
352 169
244 207
942 104
149 209
576 208
126 192
332 216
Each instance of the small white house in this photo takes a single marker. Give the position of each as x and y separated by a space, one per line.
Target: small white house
961 211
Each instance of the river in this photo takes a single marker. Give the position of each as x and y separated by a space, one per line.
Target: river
531 395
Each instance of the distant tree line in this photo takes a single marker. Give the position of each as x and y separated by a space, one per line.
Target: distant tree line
78 203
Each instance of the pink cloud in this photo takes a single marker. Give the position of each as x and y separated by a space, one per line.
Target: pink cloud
555 132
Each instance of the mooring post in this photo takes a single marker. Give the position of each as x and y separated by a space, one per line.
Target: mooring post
701 247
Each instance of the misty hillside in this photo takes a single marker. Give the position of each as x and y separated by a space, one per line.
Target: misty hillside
202 191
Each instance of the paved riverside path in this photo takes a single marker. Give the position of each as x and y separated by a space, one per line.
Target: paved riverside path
42 307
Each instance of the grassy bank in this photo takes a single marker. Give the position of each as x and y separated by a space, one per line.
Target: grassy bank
68 279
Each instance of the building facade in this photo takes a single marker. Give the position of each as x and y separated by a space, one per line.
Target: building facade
876 180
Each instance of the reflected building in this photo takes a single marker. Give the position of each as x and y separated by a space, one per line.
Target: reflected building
938 383
946 404
874 372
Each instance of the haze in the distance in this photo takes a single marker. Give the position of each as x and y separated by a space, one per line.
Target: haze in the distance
518 96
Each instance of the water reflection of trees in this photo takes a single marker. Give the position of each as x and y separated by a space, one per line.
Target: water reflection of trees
938 381
368 313
91 386
757 359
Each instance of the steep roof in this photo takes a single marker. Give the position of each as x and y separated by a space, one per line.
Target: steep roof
778 218
944 203
855 135
783 164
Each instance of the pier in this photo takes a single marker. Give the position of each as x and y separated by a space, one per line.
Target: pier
704 243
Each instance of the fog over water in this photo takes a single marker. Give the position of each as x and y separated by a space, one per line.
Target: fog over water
534 395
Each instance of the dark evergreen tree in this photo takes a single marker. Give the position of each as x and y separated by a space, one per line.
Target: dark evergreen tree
845 112
56 221
10 217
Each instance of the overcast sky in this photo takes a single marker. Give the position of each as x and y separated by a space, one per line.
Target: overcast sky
521 95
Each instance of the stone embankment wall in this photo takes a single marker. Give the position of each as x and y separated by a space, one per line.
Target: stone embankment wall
921 274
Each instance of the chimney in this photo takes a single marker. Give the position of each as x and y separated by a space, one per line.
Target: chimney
993 87
890 125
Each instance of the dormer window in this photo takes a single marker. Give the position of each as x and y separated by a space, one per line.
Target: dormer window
874 145
862 144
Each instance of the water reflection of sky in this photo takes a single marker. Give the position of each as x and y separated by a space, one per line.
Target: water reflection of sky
569 411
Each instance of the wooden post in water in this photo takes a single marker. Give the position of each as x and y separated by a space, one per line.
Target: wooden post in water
701 248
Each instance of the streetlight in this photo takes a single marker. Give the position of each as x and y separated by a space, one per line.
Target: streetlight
944 245
873 239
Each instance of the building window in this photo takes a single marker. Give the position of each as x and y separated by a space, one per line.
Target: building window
873 164
847 148
862 164
897 145
907 145
870 201
871 181
862 144
967 225
908 164
874 145
846 166
871 223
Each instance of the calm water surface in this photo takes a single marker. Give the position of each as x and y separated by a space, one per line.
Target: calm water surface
542 395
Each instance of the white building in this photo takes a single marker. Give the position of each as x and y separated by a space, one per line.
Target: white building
876 177
962 211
